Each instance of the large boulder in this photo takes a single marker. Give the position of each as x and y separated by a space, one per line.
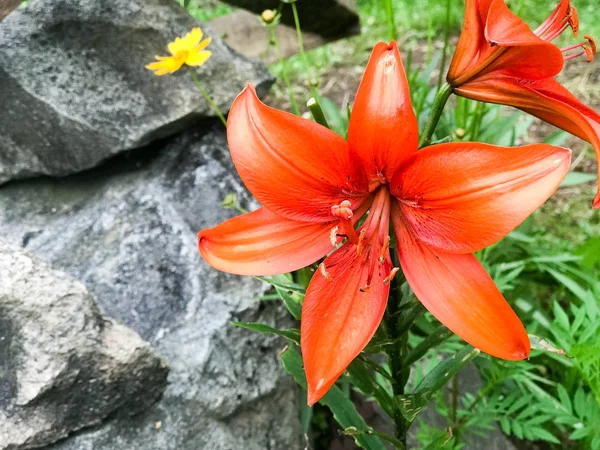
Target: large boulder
128 230
75 91
63 365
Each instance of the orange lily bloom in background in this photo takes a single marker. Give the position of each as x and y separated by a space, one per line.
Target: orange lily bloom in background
444 202
499 59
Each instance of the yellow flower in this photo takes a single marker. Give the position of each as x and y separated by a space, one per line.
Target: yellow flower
186 50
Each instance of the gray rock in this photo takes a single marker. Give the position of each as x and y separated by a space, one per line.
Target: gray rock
128 230
63 366
75 90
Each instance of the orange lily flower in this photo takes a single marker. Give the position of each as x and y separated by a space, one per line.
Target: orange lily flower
499 59
444 202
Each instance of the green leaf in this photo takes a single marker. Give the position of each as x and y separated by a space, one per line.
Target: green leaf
580 433
590 252
563 396
567 282
278 282
291 333
361 377
439 335
340 405
292 301
447 369
561 316
541 433
412 404
290 293
557 138
338 121
575 178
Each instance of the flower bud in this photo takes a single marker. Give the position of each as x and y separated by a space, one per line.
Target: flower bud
268 16
460 133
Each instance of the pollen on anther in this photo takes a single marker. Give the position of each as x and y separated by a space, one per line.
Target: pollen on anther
384 249
324 272
333 236
361 242
591 43
365 288
391 276
573 18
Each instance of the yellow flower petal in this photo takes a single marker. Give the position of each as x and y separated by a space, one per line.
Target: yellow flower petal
202 45
197 58
165 65
186 43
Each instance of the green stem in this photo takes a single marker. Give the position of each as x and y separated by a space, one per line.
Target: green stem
312 80
477 119
208 98
436 112
453 401
446 40
389 12
284 73
396 354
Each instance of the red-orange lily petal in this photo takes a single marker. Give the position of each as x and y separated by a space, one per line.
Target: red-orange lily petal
463 197
500 60
340 315
310 166
457 290
383 128
546 99
263 243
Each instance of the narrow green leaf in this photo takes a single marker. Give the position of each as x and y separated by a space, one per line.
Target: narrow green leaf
569 283
340 405
291 334
277 283
541 433
575 178
580 433
557 138
561 316
439 335
447 369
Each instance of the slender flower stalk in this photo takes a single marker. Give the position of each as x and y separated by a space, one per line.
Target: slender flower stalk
312 77
437 108
325 197
391 22
208 98
284 73
499 59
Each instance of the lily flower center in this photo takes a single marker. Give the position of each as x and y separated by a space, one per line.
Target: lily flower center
371 241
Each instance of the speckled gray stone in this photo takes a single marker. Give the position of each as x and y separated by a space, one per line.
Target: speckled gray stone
128 231
63 365
75 91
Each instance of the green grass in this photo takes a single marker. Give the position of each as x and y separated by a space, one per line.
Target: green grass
206 10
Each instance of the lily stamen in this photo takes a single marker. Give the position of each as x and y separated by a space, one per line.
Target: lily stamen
588 48
384 250
361 242
391 276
